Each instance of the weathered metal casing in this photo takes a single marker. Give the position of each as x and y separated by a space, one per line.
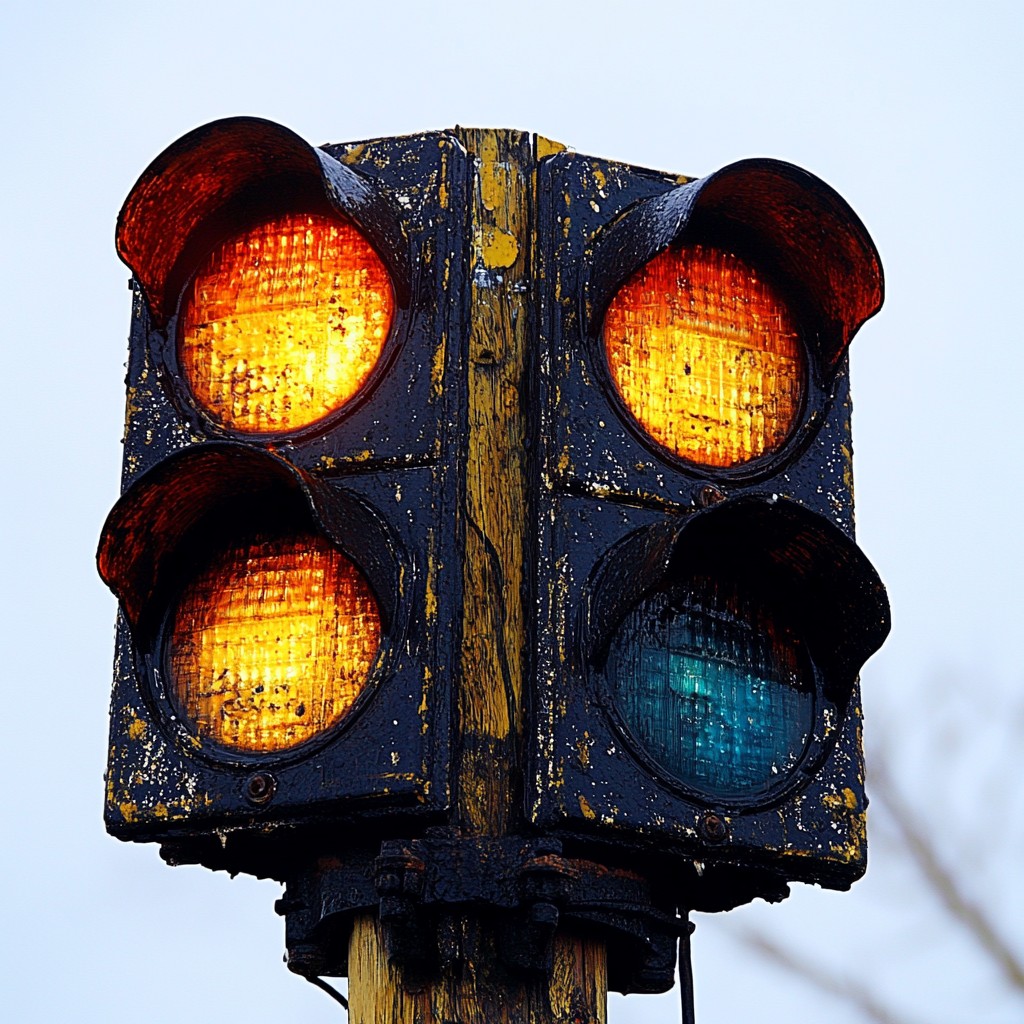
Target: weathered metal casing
504 508
618 515
380 480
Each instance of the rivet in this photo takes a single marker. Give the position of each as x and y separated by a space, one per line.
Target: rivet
713 828
260 788
710 495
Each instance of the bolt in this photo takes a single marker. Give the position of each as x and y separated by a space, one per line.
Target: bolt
260 788
545 914
710 495
714 828
287 904
388 882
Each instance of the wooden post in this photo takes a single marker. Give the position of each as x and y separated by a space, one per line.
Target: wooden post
476 988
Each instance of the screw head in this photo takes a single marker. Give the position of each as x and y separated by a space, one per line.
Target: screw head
713 828
710 495
259 789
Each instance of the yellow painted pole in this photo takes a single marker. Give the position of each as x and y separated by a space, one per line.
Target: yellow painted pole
477 989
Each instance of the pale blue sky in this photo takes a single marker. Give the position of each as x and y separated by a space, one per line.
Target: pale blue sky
912 111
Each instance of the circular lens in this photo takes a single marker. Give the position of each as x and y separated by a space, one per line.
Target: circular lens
283 323
706 357
715 689
272 643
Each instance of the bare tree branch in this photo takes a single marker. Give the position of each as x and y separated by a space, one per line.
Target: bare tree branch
855 994
961 908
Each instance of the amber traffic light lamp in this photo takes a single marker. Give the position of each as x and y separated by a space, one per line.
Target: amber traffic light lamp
485 557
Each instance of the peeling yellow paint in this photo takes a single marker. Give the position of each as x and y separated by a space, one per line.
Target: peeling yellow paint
853 849
493 171
586 810
545 147
430 597
437 367
174 810
840 805
583 746
353 154
136 729
131 408
834 801
493 623
847 468
400 776
500 248
329 462
428 678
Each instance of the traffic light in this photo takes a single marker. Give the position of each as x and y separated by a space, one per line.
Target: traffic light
704 611
486 538
284 551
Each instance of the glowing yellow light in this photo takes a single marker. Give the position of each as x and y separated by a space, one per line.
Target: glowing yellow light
706 356
272 643
283 323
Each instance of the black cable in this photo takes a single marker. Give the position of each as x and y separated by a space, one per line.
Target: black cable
686 976
329 989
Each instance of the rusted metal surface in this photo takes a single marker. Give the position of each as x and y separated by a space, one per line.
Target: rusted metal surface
527 889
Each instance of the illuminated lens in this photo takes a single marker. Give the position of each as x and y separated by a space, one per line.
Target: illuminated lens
272 644
714 690
283 323
706 357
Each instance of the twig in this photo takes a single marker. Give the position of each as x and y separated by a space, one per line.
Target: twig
961 908
856 994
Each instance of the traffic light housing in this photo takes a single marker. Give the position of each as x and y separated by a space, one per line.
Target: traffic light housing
284 297
705 611
486 537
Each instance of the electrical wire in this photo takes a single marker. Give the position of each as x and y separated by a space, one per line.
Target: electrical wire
330 990
686 977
